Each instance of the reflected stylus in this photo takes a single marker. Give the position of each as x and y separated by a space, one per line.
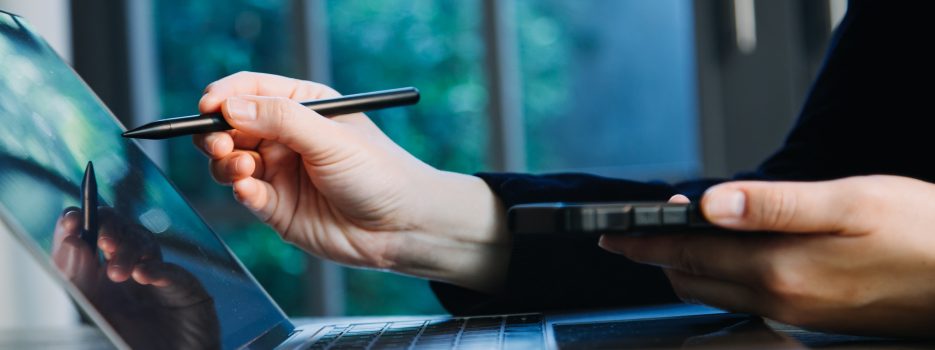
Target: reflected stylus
199 124
89 224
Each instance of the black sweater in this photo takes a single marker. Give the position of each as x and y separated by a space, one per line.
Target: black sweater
869 112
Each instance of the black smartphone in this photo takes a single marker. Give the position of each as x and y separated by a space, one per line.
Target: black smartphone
605 218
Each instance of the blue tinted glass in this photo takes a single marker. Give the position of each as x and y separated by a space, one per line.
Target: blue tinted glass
609 86
157 274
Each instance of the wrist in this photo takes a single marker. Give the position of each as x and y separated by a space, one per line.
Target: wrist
464 208
460 234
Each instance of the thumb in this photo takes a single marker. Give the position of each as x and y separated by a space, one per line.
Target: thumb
282 120
797 207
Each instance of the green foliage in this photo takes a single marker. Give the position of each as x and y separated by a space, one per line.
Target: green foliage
432 45
435 46
545 44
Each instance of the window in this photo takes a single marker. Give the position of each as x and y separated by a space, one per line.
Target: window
618 74
609 87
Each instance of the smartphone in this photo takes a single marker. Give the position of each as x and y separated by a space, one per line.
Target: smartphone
605 218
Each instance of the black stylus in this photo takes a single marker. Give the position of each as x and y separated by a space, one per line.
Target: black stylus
199 124
89 224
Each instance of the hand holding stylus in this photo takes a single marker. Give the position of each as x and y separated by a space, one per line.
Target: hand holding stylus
341 189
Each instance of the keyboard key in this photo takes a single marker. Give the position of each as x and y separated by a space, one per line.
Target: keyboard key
482 321
368 327
406 324
487 333
519 319
389 347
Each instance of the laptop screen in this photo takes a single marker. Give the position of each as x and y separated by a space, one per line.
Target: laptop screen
158 277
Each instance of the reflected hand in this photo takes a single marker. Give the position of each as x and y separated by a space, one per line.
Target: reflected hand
855 255
341 189
154 304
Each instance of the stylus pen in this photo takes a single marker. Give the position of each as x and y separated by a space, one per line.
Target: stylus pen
199 124
89 224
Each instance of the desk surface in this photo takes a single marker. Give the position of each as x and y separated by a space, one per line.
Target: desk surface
88 337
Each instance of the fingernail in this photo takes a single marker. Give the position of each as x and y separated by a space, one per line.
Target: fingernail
240 109
724 204
69 210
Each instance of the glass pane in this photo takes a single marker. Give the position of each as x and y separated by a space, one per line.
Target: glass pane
437 47
199 42
609 87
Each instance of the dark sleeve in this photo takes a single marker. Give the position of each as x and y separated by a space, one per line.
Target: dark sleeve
561 272
869 109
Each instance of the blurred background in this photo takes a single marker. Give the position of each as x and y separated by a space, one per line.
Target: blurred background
642 89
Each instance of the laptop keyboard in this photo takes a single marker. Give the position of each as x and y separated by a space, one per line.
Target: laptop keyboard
493 332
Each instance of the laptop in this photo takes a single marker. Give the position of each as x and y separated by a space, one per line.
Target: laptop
181 286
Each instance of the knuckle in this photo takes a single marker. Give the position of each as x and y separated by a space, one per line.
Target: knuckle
218 174
327 91
859 195
285 111
867 191
310 89
685 260
243 74
784 285
281 106
681 292
286 117
208 88
777 209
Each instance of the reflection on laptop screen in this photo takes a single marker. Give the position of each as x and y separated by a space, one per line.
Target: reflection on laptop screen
158 275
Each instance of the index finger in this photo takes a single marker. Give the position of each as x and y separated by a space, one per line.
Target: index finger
724 256
260 84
